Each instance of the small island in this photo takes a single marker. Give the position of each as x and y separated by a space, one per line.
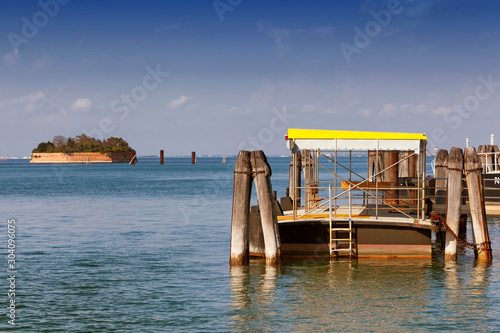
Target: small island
83 149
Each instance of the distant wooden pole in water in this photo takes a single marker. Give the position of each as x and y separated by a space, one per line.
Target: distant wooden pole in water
391 176
453 200
242 189
294 180
441 176
262 177
193 157
162 159
475 188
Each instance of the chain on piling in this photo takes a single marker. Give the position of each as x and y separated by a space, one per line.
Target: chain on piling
250 172
479 247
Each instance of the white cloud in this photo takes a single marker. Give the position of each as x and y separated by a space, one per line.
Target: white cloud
421 108
81 104
442 110
364 112
25 109
27 99
282 37
388 110
179 101
11 58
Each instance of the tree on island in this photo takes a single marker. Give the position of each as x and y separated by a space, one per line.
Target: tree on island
83 144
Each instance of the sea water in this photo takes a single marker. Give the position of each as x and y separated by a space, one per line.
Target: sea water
145 248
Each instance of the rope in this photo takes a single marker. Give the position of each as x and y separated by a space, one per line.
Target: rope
479 247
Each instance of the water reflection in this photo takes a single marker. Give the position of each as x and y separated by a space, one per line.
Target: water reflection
360 295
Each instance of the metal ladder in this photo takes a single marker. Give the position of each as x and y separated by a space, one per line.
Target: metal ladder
336 242
335 229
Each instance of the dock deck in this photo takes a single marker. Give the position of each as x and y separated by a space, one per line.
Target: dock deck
389 234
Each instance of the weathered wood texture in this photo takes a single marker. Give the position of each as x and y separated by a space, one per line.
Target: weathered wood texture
372 158
242 188
462 228
375 165
255 234
371 164
453 201
480 150
475 188
294 177
413 165
441 176
496 157
308 167
490 158
262 178
379 166
391 176
404 165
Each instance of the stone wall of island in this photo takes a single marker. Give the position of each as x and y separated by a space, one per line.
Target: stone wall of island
122 157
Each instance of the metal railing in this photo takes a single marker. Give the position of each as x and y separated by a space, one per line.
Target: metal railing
370 198
490 162
396 197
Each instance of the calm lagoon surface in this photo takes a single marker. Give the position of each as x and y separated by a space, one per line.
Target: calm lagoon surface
145 248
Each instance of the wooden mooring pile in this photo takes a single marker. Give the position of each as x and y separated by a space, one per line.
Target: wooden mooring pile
450 170
253 167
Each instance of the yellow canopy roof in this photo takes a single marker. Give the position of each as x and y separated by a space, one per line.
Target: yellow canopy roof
294 133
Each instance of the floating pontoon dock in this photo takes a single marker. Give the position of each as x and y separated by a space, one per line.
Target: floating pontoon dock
377 204
344 212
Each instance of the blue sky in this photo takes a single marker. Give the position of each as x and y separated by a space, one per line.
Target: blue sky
218 76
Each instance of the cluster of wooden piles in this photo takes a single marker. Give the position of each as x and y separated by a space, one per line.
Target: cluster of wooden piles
253 167
450 170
